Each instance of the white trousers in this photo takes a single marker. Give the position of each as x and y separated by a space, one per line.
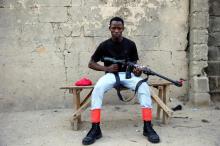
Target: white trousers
106 82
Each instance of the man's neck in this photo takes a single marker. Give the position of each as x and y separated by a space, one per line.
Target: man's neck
117 39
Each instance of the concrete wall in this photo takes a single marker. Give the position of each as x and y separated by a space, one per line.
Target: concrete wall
47 44
198 50
213 69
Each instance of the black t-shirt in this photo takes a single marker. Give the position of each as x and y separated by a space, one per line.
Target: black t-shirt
126 49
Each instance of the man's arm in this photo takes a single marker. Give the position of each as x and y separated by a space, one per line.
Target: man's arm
94 65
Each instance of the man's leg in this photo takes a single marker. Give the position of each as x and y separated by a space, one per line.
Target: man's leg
104 84
146 105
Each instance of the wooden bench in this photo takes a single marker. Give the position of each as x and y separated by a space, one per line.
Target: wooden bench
80 106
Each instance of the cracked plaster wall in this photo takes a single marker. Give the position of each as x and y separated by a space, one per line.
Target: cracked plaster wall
47 44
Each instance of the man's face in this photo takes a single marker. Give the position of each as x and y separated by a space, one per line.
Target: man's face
116 29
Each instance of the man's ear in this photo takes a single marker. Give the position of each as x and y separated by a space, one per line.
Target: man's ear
123 28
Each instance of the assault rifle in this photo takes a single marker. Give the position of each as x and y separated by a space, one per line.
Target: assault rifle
145 70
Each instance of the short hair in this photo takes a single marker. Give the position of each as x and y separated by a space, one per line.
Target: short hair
116 19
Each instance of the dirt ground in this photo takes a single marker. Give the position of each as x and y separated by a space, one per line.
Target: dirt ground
121 126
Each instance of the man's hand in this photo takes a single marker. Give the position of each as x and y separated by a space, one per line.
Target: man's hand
137 71
112 68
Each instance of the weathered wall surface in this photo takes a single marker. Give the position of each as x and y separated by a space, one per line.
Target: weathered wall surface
198 50
213 69
47 44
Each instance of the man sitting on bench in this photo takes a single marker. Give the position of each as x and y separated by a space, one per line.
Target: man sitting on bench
121 48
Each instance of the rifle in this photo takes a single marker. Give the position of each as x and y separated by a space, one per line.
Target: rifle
145 70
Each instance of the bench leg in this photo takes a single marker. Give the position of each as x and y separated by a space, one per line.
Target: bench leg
158 106
166 110
165 117
76 98
80 107
78 104
75 121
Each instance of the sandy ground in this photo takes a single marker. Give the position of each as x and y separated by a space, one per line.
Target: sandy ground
121 126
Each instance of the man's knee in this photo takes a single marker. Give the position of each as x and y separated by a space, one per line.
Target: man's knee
103 86
98 88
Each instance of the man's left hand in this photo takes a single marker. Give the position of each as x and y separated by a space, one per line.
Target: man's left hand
137 71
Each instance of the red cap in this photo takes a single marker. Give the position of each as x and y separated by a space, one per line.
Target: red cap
83 82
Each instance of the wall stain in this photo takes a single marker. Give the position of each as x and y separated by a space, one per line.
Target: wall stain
41 50
124 12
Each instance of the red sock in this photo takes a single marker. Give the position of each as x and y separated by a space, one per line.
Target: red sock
95 115
146 114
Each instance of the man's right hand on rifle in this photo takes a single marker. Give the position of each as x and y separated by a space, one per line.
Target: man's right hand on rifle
112 68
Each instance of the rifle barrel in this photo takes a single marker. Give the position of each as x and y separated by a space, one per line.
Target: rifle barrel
177 83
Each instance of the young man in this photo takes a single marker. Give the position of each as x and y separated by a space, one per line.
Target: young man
118 47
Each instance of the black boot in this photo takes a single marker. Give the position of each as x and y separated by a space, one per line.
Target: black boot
94 133
150 133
